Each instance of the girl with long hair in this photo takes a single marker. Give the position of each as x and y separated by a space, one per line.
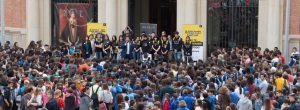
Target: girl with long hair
114 47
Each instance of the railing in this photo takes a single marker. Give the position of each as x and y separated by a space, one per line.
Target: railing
232 23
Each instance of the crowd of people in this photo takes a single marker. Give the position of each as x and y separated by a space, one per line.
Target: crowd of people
145 73
144 47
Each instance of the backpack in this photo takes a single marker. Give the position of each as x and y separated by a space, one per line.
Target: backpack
285 87
94 97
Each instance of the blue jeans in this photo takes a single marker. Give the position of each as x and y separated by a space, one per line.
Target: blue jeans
136 55
178 56
99 55
114 56
86 56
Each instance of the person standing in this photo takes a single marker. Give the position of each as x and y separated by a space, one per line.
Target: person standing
121 52
145 47
137 49
177 44
98 46
245 103
85 99
70 100
52 104
87 48
155 47
106 46
264 84
106 96
280 82
114 47
8 97
223 97
127 48
28 101
171 49
293 57
165 46
294 102
187 49
59 99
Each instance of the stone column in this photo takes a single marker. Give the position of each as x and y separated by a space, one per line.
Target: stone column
101 11
32 17
273 24
111 16
123 16
45 21
269 24
180 14
190 11
202 20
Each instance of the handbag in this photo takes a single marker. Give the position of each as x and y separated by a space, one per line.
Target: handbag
102 105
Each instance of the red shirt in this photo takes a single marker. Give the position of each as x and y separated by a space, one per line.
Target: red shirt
60 102
251 88
166 105
282 59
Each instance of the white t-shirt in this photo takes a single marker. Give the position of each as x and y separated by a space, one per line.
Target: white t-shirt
106 96
198 108
275 60
292 54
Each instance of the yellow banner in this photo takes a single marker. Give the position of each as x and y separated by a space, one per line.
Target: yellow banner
94 28
195 32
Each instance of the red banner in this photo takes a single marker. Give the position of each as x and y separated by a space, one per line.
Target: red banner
70 20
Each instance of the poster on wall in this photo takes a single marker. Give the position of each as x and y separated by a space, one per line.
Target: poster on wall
94 28
148 28
70 22
196 34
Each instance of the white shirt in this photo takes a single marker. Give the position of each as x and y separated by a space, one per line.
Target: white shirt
292 54
106 96
198 108
94 88
126 106
275 60
237 90
128 47
263 86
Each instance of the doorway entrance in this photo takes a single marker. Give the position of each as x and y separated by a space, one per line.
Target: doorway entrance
160 12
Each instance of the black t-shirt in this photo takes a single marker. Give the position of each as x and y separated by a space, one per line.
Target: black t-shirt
145 45
188 49
98 42
7 95
107 44
137 45
164 45
155 44
177 44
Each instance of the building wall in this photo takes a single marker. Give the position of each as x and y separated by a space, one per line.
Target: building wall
15 13
15 21
294 26
21 26
294 17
